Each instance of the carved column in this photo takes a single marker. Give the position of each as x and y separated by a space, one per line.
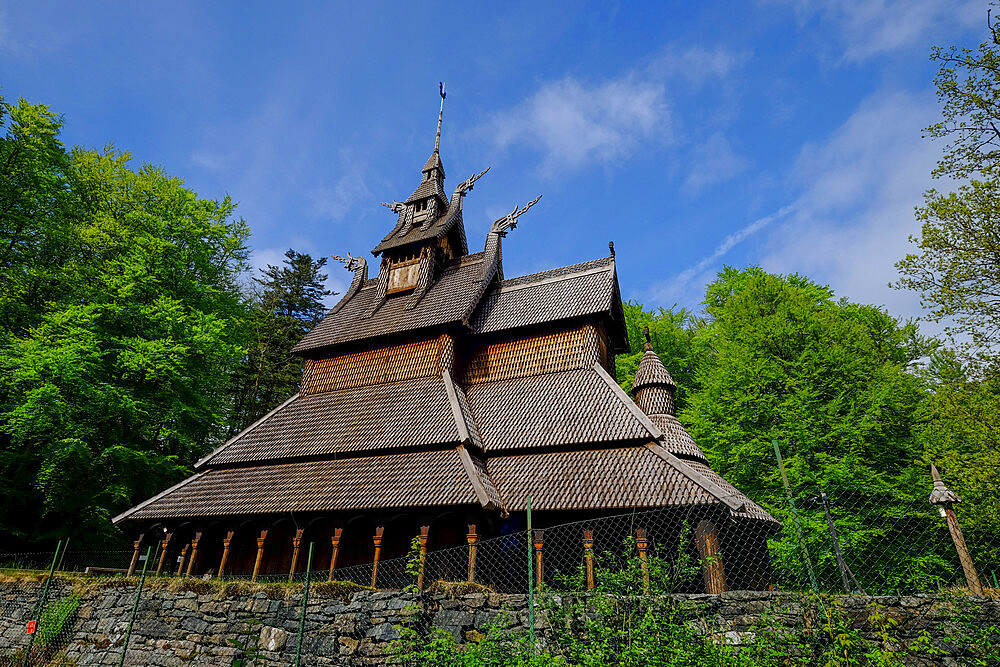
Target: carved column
706 537
538 541
296 543
642 544
335 543
472 539
260 555
422 538
180 560
377 539
226 541
194 553
135 556
163 553
588 556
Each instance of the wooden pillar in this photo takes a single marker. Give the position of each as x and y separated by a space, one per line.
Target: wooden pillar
180 559
377 540
135 556
642 544
163 553
296 543
971 576
706 537
335 543
422 538
472 537
588 556
539 571
260 555
226 541
194 553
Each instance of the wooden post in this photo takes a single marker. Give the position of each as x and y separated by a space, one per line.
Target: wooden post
377 540
424 530
260 555
945 499
971 576
194 553
135 556
642 544
226 541
163 553
539 539
335 543
296 543
180 560
588 556
706 537
472 538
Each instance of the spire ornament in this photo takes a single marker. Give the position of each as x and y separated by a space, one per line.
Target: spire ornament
437 139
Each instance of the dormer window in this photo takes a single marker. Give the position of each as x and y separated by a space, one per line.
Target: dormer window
403 273
421 206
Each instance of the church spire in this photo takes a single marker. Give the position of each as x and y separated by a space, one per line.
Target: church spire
437 139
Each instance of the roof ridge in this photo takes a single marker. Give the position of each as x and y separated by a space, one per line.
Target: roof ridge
609 259
132 510
696 477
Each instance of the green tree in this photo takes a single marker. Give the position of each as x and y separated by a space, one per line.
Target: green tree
288 303
114 370
957 266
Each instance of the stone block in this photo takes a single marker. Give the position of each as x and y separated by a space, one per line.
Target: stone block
272 638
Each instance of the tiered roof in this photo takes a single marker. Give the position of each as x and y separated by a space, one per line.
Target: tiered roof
471 389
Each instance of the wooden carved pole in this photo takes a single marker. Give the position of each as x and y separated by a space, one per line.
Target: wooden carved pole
945 499
588 556
706 537
260 555
642 544
135 556
194 553
180 560
377 540
472 539
422 538
335 543
538 541
296 543
163 553
226 541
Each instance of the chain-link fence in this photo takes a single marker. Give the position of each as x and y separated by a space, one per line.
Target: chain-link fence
132 608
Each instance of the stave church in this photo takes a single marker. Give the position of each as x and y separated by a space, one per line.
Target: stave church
439 394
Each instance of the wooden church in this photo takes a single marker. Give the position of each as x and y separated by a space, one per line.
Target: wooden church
438 394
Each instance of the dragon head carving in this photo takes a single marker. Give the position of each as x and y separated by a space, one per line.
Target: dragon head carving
352 263
509 221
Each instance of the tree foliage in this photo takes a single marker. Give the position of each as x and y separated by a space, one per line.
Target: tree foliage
121 315
286 305
957 266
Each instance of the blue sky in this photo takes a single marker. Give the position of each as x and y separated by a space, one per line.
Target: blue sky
779 133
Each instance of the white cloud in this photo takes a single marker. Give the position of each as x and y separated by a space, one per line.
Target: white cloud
870 27
855 211
333 201
713 161
574 122
688 286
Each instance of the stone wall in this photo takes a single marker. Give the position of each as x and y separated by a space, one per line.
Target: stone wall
195 623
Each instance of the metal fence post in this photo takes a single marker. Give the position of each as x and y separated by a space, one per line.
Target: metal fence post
798 525
305 603
531 584
41 604
135 605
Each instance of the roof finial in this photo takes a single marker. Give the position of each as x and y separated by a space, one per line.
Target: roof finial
437 139
611 247
649 343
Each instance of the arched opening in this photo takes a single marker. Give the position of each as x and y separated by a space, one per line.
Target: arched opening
447 549
357 551
396 541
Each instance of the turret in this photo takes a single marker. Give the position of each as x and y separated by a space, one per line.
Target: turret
653 387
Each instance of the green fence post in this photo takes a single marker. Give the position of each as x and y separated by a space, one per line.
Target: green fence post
41 604
798 524
135 606
531 586
305 603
